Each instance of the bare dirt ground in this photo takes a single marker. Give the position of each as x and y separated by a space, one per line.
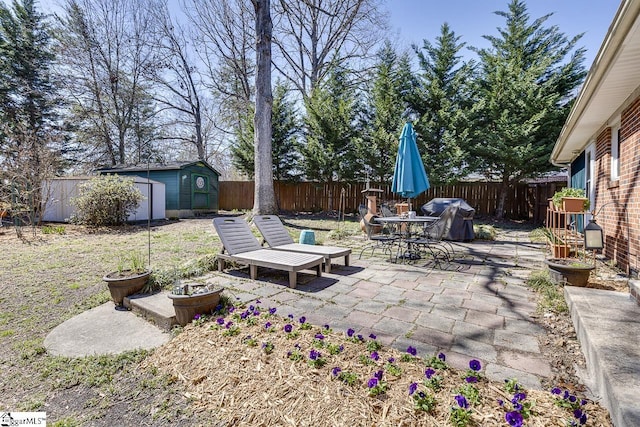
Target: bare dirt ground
46 279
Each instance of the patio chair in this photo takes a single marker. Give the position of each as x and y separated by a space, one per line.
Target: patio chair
433 234
240 245
379 236
278 238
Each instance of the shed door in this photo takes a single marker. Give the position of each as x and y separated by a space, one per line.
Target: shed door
200 192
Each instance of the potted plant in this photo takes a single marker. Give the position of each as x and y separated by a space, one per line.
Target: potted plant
190 300
559 248
130 277
571 200
569 271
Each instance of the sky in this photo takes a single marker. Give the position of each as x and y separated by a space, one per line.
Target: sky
412 21
416 20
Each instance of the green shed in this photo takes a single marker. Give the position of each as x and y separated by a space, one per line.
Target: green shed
191 187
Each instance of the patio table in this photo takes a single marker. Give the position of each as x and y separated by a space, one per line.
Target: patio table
405 237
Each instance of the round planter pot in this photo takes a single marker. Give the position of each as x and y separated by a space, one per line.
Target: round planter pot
187 306
122 285
562 272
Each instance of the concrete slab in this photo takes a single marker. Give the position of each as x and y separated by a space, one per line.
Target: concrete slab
157 308
608 327
103 330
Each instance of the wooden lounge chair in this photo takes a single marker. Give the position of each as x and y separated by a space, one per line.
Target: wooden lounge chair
277 237
240 245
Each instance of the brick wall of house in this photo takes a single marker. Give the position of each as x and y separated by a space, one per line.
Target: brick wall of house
618 202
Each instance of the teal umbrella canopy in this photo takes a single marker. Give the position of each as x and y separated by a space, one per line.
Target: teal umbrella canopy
409 177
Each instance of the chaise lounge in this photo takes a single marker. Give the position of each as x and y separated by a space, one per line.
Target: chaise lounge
278 238
241 246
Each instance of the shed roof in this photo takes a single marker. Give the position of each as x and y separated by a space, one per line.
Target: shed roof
156 167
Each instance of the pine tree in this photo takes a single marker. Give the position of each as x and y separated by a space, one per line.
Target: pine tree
30 140
330 130
526 90
393 84
443 103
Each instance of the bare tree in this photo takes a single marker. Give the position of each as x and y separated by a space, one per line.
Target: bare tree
179 86
106 48
225 45
264 199
310 34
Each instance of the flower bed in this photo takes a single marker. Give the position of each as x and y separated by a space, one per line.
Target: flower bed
251 366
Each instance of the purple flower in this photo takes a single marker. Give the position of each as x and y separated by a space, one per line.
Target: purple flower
462 401
374 355
302 319
391 360
412 388
513 418
378 375
341 348
412 351
256 312
372 336
500 402
272 310
335 371
583 402
228 325
350 332
572 398
232 309
197 317
519 396
429 373
319 337
244 315
583 419
517 406
360 337
577 413
372 382
314 354
442 357
566 394
220 320
326 327
251 308
267 325
290 316
556 390
475 365
258 301
421 395
471 379
288 328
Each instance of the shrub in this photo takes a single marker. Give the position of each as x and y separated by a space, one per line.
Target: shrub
106 200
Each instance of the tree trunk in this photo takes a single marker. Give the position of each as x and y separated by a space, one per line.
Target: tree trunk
502 197
265 199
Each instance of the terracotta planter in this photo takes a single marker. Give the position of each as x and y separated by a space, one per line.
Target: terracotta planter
569 272
560 251
187 306
573 204
126 283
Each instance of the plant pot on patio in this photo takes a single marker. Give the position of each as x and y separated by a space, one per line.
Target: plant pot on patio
202 301
569 271
124 283
574 204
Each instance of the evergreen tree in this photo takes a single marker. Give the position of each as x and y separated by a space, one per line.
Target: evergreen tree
443 103
285 131
393 84
329 152
30 140
526 92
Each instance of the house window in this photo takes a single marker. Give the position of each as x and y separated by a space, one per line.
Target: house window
615 153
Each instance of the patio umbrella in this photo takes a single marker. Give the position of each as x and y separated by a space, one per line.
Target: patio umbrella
409 176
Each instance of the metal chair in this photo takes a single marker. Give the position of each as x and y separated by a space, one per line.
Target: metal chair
432 238
379 239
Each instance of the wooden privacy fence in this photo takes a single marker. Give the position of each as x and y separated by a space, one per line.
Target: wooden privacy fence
524 201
